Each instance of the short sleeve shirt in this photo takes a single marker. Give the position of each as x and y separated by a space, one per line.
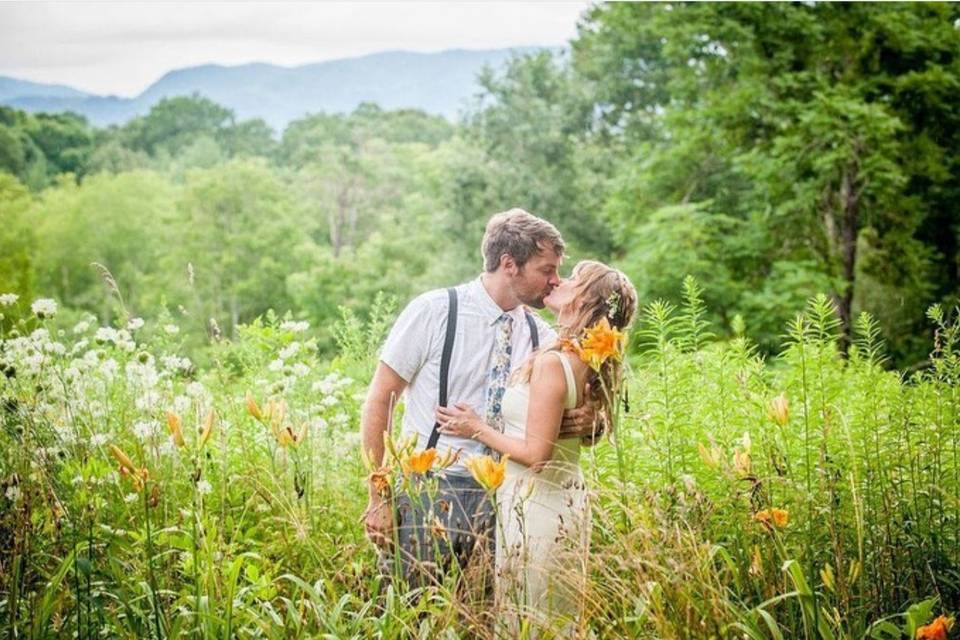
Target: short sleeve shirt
414 347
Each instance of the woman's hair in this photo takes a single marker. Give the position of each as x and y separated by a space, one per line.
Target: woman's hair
601 292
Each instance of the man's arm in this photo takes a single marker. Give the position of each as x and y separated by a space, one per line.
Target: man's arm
385 388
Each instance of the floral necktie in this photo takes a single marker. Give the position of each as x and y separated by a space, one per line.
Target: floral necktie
499 372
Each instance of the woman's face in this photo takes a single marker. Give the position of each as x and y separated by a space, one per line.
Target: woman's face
562 300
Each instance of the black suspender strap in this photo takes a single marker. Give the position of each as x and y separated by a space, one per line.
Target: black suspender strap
448 351
534 334
445 361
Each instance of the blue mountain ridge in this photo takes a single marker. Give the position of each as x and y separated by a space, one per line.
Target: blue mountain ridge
439 83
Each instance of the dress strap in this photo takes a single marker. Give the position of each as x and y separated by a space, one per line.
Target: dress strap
571 400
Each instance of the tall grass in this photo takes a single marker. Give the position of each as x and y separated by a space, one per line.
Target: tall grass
255 532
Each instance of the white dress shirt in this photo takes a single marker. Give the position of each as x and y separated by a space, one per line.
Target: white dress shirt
415 344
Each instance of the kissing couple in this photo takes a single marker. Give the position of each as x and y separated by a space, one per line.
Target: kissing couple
508 401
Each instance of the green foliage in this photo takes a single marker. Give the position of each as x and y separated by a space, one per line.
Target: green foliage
245 533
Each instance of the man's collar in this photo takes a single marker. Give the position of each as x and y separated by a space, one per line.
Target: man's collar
488 307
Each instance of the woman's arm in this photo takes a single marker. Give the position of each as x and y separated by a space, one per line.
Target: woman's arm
544 414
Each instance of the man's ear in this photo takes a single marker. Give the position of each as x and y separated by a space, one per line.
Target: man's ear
508 264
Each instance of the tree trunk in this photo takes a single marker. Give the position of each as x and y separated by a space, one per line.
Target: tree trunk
848 200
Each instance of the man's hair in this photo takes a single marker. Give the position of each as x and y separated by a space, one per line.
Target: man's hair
520 235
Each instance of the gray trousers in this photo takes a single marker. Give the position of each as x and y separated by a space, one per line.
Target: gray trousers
451 527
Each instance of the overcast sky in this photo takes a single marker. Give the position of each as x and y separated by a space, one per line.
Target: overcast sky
121 48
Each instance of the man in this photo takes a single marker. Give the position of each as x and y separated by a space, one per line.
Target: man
494 333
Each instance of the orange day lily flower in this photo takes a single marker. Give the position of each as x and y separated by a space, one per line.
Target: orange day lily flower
600 343
936 630
773 517
488 473
418 462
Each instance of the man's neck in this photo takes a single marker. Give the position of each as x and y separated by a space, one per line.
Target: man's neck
499 291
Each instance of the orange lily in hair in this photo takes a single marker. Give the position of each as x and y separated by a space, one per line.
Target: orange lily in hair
600 343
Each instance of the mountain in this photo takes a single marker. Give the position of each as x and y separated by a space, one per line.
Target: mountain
11 88
438 83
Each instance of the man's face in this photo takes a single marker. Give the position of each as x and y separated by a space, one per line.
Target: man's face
536 279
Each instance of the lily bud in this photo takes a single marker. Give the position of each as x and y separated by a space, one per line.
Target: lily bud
779 410
176 428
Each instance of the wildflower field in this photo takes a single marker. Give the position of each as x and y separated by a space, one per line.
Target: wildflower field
143 495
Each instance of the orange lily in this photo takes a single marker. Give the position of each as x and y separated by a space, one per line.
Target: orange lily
488 473
600 343
936 630
418 462
773 517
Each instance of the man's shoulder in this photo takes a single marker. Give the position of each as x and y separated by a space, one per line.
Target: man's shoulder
430 302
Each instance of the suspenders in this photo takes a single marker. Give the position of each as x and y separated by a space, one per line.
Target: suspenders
448 350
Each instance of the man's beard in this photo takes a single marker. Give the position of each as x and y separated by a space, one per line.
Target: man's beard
533 299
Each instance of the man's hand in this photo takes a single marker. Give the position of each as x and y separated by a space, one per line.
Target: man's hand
581 421
378 523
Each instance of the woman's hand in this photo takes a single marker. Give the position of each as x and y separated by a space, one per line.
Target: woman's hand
460 421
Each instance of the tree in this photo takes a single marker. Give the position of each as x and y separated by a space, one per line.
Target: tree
825 119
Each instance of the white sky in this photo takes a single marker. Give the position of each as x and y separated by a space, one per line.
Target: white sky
121 48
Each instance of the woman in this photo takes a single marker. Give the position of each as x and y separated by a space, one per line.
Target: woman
542 509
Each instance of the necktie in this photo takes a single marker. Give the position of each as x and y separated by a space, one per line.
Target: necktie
499 372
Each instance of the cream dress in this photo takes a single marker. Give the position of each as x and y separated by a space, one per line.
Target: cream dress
543 522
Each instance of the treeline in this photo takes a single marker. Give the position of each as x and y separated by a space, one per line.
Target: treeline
771 150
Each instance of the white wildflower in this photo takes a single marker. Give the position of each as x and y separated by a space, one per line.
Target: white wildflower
294 326
135 323
105 334
171 329
167 447
109 368
322 386
55 348
8 299
290 350
148 401
44 308
144 430
81 327
204 487
195 390
340 419
99 439
300 370
13 493
130 497
329 401
182 404
276 365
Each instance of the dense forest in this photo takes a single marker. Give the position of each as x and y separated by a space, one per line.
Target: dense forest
773 151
